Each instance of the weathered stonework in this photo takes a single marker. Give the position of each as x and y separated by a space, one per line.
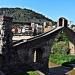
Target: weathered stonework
25 54
6 40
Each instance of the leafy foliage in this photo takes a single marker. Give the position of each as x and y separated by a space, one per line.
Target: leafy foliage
60 45
60 50
61 58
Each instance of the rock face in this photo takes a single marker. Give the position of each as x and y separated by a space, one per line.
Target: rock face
1 73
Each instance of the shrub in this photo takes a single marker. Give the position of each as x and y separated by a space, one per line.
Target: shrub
61 58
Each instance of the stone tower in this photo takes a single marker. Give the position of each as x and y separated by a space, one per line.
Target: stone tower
6 38
62 22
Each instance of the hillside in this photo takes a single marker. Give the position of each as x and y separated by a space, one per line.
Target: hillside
23 15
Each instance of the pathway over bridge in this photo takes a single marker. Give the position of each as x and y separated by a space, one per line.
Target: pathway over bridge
33 52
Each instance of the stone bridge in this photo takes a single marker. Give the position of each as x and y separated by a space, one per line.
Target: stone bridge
32 53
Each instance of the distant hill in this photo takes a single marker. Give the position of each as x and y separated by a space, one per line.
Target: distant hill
24 15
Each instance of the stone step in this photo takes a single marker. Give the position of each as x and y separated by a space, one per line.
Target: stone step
40 73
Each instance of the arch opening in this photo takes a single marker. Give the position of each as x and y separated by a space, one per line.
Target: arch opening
37 54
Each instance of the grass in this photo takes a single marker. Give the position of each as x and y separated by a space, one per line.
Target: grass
29 73
32 73
61 58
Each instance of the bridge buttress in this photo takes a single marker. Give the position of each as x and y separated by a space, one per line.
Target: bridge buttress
6 41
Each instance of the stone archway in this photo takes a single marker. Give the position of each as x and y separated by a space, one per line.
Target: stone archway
37 54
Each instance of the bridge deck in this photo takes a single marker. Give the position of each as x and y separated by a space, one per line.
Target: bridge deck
38 36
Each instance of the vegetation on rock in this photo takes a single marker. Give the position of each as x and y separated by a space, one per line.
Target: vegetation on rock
24 15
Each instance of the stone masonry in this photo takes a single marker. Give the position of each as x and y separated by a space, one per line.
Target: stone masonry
32 53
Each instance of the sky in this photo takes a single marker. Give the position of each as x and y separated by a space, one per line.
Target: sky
52 9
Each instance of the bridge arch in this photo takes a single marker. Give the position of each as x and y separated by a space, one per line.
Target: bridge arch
41 45
37 54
